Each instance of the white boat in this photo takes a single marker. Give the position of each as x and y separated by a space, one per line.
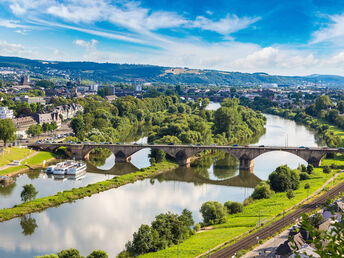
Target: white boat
77 168
69 167
50 169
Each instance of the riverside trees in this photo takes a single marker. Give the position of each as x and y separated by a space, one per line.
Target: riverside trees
165 119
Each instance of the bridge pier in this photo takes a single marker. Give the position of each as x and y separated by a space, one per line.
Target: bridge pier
184 162
246 164
314 161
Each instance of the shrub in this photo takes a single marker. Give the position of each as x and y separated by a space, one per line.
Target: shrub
307 186
262 191
303 168
69 253
248 201
304 176
333 166
310 169
283 178
98 254
233 207
197 227
290 194
213 212
326 169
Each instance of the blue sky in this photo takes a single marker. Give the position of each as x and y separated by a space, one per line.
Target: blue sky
294 37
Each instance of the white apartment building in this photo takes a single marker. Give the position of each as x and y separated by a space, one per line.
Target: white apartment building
6 113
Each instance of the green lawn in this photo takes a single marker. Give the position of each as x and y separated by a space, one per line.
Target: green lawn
13 153
248 219
33 161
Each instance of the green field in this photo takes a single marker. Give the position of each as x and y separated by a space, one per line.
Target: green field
13 153
34 161
249 218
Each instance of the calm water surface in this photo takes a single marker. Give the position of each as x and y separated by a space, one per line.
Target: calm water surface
107 220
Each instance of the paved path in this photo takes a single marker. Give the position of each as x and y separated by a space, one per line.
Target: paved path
276 226
9 165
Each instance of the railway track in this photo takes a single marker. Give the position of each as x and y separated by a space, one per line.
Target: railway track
267 231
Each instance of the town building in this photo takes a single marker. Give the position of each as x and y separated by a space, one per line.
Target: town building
6 113
22 124
31 100
59 114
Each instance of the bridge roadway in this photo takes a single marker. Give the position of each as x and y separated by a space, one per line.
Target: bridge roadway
183 153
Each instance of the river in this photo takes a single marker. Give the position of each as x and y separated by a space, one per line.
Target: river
107 220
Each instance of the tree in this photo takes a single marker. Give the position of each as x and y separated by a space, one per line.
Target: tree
53 126
28 225
327 169
29 193
290 194
262 191
283 178
323 102
78 126
7 131
213 212
98 254
34 130
310 168
327 243
304 176
46 127
69 253
45 84
233 207
144 240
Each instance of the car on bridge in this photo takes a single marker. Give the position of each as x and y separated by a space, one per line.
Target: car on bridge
302 147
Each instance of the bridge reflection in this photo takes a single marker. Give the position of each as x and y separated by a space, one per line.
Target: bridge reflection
245 178
118 169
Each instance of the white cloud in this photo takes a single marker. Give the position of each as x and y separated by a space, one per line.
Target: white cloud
12 24
226 25
89 45
334 31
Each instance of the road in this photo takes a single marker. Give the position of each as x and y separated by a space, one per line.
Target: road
276 226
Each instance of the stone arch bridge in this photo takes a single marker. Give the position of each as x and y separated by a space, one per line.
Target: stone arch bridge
183 153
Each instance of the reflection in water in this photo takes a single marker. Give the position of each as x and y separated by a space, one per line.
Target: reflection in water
225 167
107 220
98 156
28 225
245 178
6 190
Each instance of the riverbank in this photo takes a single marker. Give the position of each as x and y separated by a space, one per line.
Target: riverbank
79 193
33 162
246 221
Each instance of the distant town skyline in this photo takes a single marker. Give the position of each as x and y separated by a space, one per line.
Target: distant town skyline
287 38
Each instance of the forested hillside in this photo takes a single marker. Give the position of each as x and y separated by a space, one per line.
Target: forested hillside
112 72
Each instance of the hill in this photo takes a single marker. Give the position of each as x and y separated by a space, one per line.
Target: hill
113 72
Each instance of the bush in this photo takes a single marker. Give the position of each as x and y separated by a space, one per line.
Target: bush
303 168
310 169
248 201
290 194
333 166
69 253
262 191
197 227
304 176
307 186
327 170
283 178
213 213
98 254
233 207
